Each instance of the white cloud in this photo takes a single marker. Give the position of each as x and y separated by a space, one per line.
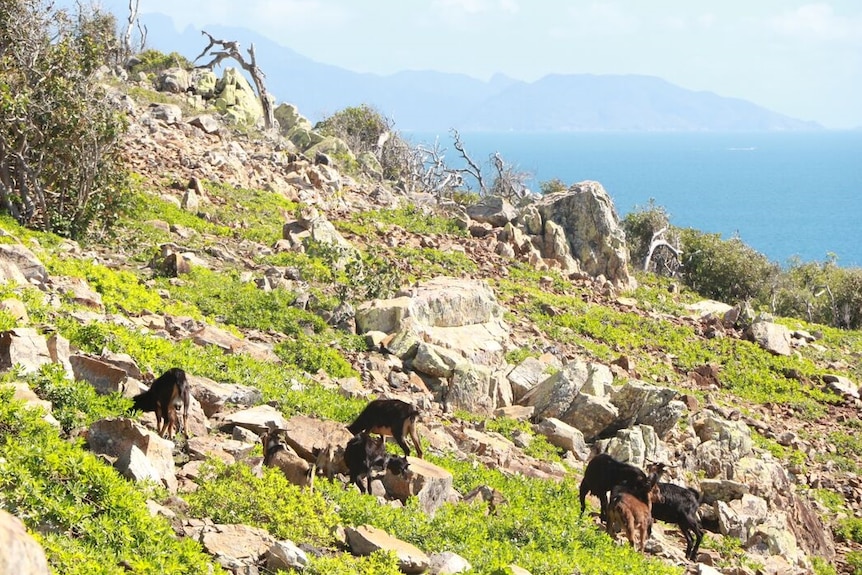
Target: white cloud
478 6
706 20
468 6
818 22
603 19
510 6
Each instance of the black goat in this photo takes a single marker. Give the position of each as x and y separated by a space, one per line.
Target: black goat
363 454
389 417
679 505
603 473
167 394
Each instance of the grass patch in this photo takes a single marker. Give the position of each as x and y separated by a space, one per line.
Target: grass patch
285 384
529 530
410 218
89 518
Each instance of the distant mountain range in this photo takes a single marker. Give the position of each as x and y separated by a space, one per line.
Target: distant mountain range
427 101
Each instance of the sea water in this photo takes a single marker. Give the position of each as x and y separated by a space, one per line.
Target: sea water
787 195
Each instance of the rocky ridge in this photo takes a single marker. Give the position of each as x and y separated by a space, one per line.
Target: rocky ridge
441 345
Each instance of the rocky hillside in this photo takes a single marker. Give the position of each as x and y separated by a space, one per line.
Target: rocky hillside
293 291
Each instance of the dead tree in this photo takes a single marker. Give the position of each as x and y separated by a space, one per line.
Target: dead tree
509 183
662 258
133 21
472 168
230 49
433 173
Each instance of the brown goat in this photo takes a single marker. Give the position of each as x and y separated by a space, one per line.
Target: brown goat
626 510
276 453
389 417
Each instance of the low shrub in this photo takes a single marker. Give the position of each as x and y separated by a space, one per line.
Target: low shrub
233 494
726 270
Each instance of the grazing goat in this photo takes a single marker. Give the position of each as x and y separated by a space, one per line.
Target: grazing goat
628 511
169 390
603 473
276 453
389 417
679 505
363 454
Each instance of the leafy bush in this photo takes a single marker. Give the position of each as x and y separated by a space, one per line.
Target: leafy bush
59 132
535 528
850 529
552 186
313 354
121 290
225 297
75 403
854 560
821 293
378 563
155 62
232 494
641 225
726 270
411 218
822 567
361 128
282 383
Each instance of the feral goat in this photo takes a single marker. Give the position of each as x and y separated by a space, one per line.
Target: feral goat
679 505
362 455
389 417
603 473
167 395
634 515
276 453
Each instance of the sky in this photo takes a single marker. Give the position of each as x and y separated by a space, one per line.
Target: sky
799 58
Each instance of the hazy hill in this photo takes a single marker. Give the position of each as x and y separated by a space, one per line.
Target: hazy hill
436 101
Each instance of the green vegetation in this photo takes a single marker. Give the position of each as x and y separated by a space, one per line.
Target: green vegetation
731 271
726 270
75 403
850 529
854 560
412 219
90 520
530 529
538 445
93 520
361 128
153 62
58 133
232 494
552 186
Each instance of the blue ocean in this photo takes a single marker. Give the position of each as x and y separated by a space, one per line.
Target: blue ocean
787 195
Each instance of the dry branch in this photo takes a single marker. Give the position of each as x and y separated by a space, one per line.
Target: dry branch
230 49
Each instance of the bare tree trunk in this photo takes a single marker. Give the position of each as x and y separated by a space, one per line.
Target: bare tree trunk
472 168
230 49
132 22
656 242
127 35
